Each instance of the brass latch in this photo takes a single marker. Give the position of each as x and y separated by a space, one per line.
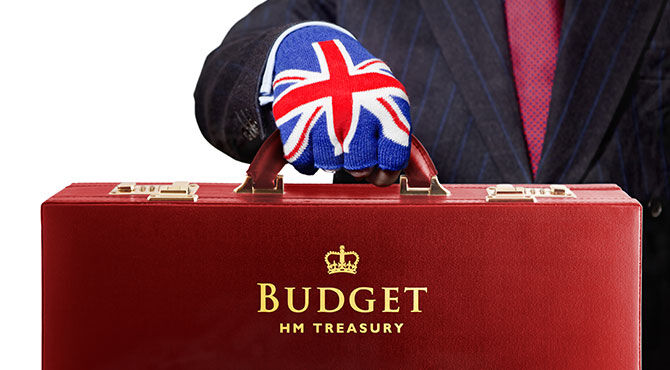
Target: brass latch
177 191
511 193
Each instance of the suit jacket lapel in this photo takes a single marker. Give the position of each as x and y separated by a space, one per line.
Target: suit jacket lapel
473 38
601 43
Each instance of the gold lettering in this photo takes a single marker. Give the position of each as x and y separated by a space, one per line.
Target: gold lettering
388 299
271 296
322 299
352 300
387 327
351 328
269 301
286 328
415 297
372 327
317 326
340 327
289 299
363 328
398 326
329 328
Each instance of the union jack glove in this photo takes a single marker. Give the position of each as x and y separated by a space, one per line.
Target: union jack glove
337 106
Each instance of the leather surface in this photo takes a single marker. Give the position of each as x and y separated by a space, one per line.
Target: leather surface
129 284
269 160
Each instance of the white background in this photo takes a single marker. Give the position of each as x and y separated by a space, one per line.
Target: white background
95 92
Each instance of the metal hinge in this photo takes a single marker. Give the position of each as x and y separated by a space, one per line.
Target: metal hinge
248 187
511 193
178 191
435 188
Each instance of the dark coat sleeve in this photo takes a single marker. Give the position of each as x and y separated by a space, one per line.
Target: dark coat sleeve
226 96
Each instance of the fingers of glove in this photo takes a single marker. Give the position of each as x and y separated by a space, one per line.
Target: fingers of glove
305 162
382 177
360 146
297 148
392 156
306 168
326 156
394 140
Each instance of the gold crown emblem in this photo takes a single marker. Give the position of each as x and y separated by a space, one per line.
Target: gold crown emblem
342 264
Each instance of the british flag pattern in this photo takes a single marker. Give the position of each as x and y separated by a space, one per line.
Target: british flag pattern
337 106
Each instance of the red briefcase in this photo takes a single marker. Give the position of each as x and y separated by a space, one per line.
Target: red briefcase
414 275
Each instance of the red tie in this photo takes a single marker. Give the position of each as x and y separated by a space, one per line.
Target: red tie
534 29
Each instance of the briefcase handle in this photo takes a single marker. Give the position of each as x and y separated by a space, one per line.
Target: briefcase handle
262 176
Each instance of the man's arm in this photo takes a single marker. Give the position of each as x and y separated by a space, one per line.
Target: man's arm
227 94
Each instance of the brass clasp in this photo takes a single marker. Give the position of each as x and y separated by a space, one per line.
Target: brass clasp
511 193
177 191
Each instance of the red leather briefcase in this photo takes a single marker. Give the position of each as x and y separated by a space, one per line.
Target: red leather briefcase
415 275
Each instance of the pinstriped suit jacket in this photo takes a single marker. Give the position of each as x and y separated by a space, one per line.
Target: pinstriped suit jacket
609 117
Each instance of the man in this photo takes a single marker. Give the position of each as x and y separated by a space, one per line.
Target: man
501 92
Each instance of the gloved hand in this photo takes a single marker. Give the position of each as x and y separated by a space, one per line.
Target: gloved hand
337 106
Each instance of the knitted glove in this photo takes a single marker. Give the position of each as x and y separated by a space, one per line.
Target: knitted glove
336 105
